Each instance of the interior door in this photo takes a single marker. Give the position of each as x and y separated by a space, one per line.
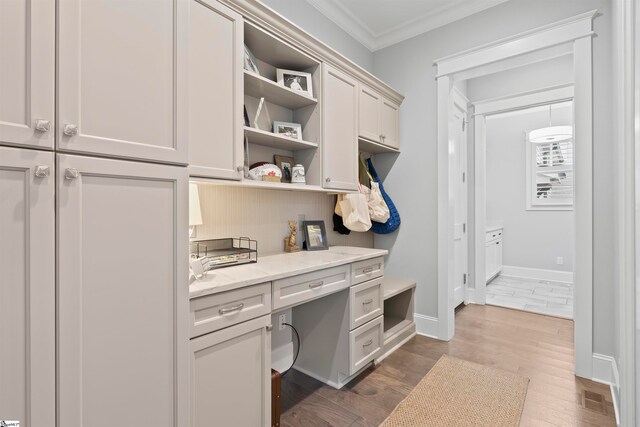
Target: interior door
27 287
27 72
340 131
458 134
216 52
122 293
121 78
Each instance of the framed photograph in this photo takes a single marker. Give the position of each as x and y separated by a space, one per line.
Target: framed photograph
291 130
250 62
286 165
296 80
315 235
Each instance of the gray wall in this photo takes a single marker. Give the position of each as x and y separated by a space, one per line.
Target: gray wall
532 239
315 23
408 67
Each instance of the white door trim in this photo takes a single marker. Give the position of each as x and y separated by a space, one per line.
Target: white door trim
578 31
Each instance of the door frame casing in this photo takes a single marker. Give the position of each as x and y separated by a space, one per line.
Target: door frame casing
577 31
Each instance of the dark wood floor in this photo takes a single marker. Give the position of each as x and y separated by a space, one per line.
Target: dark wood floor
532 345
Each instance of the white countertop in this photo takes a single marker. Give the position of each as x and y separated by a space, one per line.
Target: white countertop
493 228
279 266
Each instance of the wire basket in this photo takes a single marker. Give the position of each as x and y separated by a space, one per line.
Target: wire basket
226 252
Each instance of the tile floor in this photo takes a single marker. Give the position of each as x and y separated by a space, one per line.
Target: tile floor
537 296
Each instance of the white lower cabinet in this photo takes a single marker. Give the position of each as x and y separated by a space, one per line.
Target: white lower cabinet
493 254
231 376
27 287
122 293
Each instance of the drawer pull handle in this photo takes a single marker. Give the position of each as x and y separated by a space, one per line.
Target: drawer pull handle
368 343
369 301
315 285
367 270
228 310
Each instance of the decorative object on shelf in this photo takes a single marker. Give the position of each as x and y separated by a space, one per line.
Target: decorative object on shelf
265 172
315 236
195 213
295 80
258 111
286 166
290 130
290 242
246 117
393 223
297 175
225 252
250 61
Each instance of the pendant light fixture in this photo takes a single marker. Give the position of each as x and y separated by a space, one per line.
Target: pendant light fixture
551 134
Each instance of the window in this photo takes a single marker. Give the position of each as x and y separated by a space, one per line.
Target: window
550 169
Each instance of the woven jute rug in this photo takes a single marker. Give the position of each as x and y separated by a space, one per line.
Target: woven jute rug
460 393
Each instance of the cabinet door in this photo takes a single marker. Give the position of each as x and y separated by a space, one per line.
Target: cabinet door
27 287
27 70
369 115
121 78
490 260
390 123
231 376
122 293
340 132
216 52
499 256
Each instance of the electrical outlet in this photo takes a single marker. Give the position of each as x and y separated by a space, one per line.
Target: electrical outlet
282 319
560 260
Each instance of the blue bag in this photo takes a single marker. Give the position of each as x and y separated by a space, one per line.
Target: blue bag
393 222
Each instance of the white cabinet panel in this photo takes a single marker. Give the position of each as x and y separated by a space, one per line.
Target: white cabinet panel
390 123
231 376
491 260
216 52
27 288
121 78
369 114
340 132
27 70
122 293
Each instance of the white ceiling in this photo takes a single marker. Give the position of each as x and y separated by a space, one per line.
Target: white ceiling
381 23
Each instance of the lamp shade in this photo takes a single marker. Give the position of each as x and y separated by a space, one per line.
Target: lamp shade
551 134
195 214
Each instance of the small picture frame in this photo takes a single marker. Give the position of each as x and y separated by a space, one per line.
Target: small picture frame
290 130
250 61
295 80
315 235
286 165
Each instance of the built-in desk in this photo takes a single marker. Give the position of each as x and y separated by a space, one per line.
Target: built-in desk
337 300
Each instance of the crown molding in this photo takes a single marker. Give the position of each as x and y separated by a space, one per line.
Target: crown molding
438 17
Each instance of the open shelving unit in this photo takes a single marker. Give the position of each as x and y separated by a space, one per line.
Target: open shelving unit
399 326
281 104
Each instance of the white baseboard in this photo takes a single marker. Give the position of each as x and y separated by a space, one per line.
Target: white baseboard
537 273
472 294
605 371
426 325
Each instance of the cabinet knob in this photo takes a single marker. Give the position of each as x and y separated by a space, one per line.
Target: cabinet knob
43 125
70 130
269 327
42 171
328 179
71 173
240 168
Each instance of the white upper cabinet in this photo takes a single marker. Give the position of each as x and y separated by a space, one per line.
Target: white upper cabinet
340 130
378 118
27 287
27 69
121 78
216 46
122 293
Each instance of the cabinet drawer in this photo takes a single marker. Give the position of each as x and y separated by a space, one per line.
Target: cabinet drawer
213 312
492 235
305 287
368 269
366 302
365 344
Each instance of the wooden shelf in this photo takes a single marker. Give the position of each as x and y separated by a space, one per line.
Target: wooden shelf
393 286
374 147
270 139
258 87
